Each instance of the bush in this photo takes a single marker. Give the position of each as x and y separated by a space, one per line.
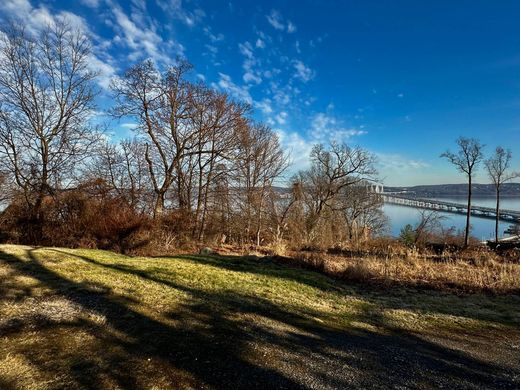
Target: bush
408 235
85 217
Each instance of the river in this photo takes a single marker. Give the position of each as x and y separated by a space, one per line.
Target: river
482 228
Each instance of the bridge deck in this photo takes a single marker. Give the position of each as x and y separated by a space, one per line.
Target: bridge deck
433 204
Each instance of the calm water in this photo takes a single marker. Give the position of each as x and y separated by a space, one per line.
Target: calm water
482 228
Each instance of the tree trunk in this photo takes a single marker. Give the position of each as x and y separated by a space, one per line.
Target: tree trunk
497 214
159 205
466 233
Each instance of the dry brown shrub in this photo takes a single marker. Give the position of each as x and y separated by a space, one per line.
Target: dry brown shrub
472 270
88 217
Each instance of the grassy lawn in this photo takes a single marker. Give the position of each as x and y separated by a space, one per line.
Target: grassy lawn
95 319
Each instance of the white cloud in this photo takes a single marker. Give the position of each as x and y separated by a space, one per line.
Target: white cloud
226 84
251 78
246 49
213 37
105 71
298 148
396 169
260 43
276 20
281 118
39 18
212 49
143 39
130 126
16 8
282 94
326 128
303 72
399 163
264 106
175 9
90 3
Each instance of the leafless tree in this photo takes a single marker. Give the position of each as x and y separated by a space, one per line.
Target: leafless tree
123 167
216 119
332 171
46 99
159 103
362 210
5 189
466 160
258 162
497 167
430 221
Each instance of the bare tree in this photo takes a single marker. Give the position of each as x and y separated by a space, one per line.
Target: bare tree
159 103
216 118
258 162
46 100
466 160
5 190
497 167
429 222
123 167
362 210
332 171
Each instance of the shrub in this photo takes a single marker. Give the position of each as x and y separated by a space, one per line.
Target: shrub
408 235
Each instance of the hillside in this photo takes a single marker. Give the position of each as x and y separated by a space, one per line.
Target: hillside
94 319
508 189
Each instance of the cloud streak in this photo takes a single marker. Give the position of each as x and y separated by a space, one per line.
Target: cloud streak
276 20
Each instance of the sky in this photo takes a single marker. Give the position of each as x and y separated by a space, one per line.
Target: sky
402 79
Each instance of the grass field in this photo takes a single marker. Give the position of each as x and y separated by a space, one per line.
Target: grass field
95 319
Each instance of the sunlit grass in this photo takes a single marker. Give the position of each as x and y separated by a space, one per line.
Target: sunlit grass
155 286
134 299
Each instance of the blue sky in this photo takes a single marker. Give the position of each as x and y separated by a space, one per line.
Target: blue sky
402 79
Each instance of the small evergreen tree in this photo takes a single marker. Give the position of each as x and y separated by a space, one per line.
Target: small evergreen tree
407 235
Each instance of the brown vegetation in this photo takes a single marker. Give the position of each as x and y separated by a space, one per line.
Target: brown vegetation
471 270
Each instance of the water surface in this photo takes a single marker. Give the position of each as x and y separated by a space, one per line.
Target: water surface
481 228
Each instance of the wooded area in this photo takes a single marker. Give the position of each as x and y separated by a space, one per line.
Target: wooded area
197 168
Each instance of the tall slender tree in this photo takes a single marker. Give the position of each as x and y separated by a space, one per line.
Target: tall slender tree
46 99
466 160
497 167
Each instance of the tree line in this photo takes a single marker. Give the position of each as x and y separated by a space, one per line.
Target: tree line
198 167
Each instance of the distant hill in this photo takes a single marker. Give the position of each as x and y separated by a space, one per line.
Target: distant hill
508 189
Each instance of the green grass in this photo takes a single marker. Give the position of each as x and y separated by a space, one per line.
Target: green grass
151 322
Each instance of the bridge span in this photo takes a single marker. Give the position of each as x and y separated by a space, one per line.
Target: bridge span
449 207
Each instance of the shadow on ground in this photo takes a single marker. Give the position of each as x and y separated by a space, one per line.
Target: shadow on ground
220 340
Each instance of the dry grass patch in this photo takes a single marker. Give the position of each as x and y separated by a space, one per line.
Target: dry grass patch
465 272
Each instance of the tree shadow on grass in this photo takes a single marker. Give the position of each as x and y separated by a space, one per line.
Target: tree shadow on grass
229 340
408 297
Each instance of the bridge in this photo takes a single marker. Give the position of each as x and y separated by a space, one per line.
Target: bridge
449 207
